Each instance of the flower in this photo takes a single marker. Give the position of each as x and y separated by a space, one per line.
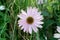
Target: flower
58 29
30 20
58 39
2 7
40 1
45 37
57 35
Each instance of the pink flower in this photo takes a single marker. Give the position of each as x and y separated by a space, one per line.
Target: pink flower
30 20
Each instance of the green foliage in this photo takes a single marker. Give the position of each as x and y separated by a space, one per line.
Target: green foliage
8 19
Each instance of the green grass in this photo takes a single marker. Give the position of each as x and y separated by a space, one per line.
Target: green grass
9 29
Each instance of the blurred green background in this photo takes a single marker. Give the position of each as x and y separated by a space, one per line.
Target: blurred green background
9 29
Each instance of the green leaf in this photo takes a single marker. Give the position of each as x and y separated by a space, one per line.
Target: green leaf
2 38
44 13
48 23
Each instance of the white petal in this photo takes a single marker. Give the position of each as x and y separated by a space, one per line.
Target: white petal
39 12
40 2
30 30
24 30
45 37
22 27
26 27
39 26
41 17
23 12
34 11
2 7
23 15
34 28
29 11
21 22
56 35
58 29
40 22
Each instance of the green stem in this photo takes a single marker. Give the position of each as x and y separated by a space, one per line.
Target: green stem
3 29
14 29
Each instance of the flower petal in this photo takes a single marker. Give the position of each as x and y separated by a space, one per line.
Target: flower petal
34 28
23 15
58 29
2 7
30 29
39 26
56 35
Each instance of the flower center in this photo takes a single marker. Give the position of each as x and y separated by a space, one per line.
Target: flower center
30 20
